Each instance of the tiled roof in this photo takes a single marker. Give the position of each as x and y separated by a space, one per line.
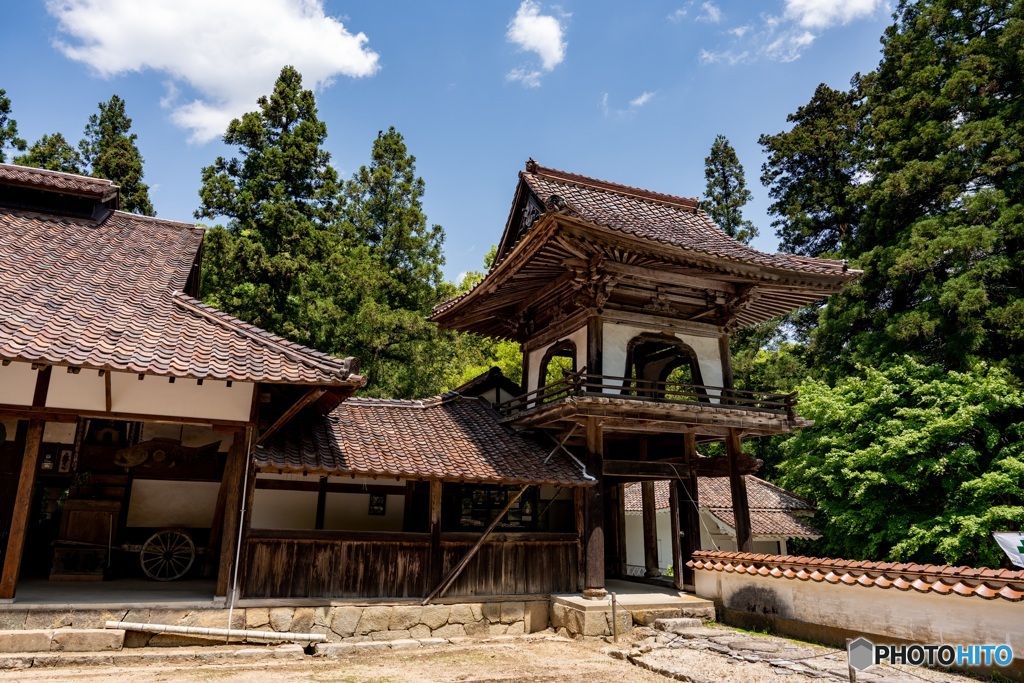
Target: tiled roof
985 583
774 511
675 221
68 183
450 437
107 296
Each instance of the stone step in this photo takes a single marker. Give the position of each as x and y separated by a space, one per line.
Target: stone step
62 640
678 625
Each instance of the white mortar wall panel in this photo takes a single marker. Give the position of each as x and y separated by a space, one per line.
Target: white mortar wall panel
160 503
17 384
908 615
85 390
617 337
213 400
57 432
350 512
274 509
579 338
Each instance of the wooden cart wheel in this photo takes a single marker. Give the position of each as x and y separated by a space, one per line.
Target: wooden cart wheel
167 555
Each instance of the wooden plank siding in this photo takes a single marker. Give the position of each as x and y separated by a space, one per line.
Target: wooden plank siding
367 565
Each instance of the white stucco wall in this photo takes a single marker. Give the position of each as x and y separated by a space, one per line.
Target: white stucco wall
617 337
578 337
907 615
17 384
160 503
280 509
635 539
213 400
84 390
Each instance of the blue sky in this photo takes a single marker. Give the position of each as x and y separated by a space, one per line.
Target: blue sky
628 92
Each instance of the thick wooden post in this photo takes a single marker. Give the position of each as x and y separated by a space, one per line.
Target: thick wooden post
595 344
578 506
726 354
22 509
690 521
650 512
676 502
622 567
435 570
593 585
232 484
738 488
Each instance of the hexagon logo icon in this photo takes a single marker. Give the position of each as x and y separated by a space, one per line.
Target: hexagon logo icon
861 653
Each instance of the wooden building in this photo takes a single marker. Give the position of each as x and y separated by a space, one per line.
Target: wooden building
624 300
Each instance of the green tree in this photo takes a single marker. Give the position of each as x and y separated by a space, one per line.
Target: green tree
52 152
8 127
726 193
813 171
912 463
273 264
109 151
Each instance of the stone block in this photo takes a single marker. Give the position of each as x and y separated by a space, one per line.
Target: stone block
370 645
405 617
449 631
87 640
302 620
516 628
536 616
38 619
213 618
677 625
137 639
497 629
478 610
177 640
167 616
256 617
31 640
281 619
419 631
432 642
558 616
477 628
388 635
11 663
322 616
404 644
491 611
12 619
373 619
345 619
435 616
463 614
139 616
289 651
335 649
512 611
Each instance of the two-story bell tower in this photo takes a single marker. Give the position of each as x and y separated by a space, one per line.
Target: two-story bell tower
623 301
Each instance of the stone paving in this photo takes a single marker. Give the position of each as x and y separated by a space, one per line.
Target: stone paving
692 652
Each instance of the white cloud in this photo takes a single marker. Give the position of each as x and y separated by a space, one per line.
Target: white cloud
229 52
788 46
724 56
542 34
710 13
740 31
825 13
679 14
641 99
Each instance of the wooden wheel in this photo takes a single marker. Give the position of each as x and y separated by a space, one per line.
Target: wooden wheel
167 555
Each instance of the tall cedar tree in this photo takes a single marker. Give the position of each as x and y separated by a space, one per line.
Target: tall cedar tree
8 127
109 151
52 152
279 195
395 258
727 192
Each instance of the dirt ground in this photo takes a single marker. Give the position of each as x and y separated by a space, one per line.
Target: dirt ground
547 659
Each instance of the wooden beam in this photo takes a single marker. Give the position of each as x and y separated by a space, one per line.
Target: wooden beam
435 567
655 276
321 503
689 520
232 483
72 415
650 512
310 396
107 393
637 469
738 488
620 537
42 387
22 508
593 584
579 505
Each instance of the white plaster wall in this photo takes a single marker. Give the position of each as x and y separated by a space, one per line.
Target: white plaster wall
350 512
617 337
273 509
908 615
85 390
192 436
635 539
57 432
17 384
159 503
214 400
579 337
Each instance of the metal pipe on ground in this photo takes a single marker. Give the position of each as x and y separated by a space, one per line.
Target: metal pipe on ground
217 632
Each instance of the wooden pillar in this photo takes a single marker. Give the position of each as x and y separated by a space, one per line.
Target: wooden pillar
726 355
738 488
650 511
436 561
578 505
321 504
593 584
524 380
622 567
22 509
595 344
232 485
675 502
690 499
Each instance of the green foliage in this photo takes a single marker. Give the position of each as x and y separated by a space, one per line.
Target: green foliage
727 192
8 127
909 461
54 153
109 151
